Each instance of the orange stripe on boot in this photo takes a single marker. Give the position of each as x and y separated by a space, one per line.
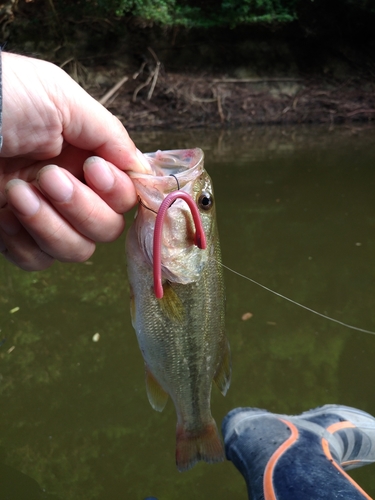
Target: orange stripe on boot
338 426
269 492
327 453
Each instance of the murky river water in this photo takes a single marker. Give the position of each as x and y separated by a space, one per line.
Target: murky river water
296 212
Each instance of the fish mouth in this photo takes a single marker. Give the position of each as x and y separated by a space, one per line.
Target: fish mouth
170 170
174 162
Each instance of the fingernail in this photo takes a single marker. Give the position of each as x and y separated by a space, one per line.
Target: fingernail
21 197
145 166
55 183
9 223
101 176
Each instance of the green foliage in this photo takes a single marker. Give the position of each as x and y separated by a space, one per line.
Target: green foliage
42 24
192 14
232 13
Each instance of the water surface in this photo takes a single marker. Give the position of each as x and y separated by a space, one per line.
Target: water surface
296 213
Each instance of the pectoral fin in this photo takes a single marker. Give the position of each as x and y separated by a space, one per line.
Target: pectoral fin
171 304
156 394
224 370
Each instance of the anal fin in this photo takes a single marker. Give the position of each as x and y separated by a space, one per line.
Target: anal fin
156 394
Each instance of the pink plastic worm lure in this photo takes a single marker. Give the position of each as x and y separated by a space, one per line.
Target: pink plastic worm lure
199 240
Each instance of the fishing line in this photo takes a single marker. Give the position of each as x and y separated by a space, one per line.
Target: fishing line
297 303
145 206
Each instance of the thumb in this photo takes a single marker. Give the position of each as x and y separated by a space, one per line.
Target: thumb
89 125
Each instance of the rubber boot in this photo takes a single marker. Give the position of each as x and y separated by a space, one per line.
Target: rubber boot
301 457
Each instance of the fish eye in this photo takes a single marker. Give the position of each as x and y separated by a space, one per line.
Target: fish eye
205 201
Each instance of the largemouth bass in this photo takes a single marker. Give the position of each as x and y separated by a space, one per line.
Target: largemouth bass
181 335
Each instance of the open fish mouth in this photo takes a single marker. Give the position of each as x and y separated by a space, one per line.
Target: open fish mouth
174 162
169 170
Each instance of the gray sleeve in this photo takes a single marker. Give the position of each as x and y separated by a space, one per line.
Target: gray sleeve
1 102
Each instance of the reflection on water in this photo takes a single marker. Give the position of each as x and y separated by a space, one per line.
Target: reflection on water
296 213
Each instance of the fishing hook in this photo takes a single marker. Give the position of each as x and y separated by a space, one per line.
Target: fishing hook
148 208
178 184
178 187
199 238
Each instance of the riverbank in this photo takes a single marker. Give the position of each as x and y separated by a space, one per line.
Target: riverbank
175 100
158 78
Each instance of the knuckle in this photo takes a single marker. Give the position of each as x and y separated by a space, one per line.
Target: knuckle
79 253
32 260
66 244
112 232
100 223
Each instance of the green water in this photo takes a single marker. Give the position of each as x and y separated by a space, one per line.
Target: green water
296 213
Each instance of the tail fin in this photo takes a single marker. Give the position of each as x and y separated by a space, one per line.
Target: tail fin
204 444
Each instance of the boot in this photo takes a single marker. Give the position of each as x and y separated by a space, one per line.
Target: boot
301 457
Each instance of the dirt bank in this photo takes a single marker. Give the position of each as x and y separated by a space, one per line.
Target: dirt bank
156 79
160 99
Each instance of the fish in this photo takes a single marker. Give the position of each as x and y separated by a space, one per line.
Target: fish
178 299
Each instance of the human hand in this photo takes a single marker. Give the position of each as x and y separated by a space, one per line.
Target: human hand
56 198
